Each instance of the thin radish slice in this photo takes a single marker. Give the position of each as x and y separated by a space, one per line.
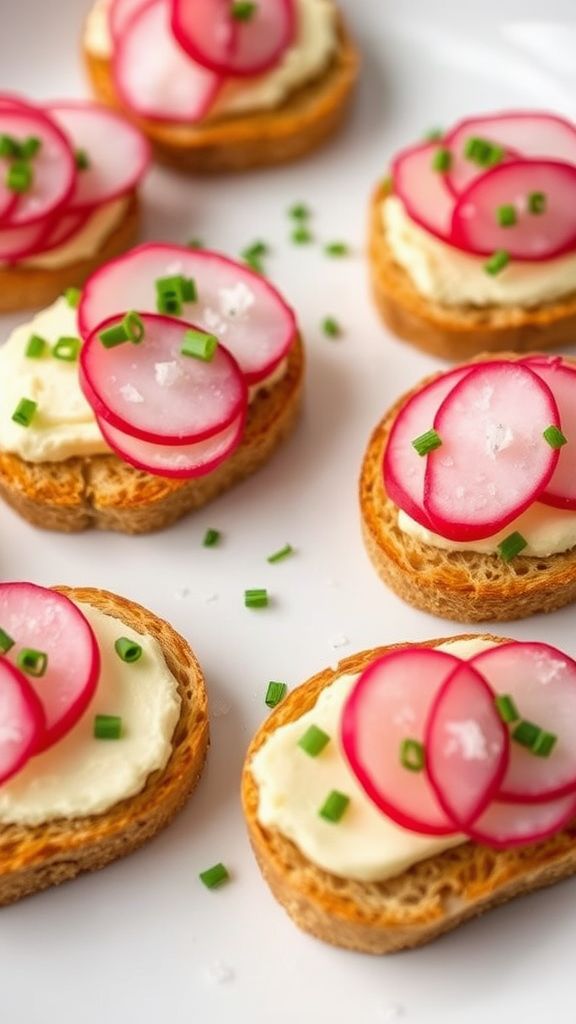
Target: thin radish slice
493 461
178 462
210 34
390 704
542 683
120 14
21 721
423 190
503 826
46 621
154 77
152 391
62 229
561 379
243 309
118 154
467 746
18 243
53 166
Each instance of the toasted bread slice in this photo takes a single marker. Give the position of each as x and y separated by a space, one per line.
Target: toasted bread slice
431 898
103 492
240 142
34 858
458 333
27 287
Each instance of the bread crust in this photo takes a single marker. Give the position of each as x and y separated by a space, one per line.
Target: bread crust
458 332
240 142
105 493
25 287
33 858
429 899
462 585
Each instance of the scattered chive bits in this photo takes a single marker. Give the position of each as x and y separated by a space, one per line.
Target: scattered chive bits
211 538
254 254
8 146
554 436
256 598
314 741
497 262
199 345
427 442
483 153
130 328
173 292
244 10
299 211
66 349
537 202
442 161
512 546
331 327
127 650
35 347
25 412
535 739
302 235
32 662
507 708
214 876
30 147
6 642
195 243
506 215
336 249
412 755
19 177
334 807
279 556
434 135
275 693
82 160
107 727
72 296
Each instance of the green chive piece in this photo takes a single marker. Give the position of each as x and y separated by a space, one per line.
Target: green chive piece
173 292
313 741
545 744
243 10
331 327
195 243
33 663
211 538
507 708
256 598
169 304
334 806
497 262
483 153
107 727
511 546
301 235
8 146
427 442
442 160
199 345
526 734
299 212
67 349
127 650
275 693
412 755
255 251
506 215
134 327
82 159
19 177
30 147
6 642
555 437
214 876
537 202
24 412
434 135
336 249
279 556
115 335
36 346
73 296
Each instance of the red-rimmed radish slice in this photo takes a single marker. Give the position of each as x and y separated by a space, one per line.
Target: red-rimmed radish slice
175 461
120 14
20 243
561 379
152 391
503 826
246 313
423 190
390 704
21 721
118 154
63 229
542 684
493 461
467 746
47 621
534 236
154 77
53 166
210 34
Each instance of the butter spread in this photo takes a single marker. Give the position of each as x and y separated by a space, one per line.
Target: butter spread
86 242
81 775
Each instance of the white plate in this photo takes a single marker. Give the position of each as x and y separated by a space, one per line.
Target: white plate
143 941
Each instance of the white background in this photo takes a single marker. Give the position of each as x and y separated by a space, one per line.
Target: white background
144 941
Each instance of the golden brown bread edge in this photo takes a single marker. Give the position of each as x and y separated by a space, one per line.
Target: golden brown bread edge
461 585
34 858
429 899
26 287
103 492
308 118
458 332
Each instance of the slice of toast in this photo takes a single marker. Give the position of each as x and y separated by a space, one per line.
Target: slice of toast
422 903
452 332
34 858
103 492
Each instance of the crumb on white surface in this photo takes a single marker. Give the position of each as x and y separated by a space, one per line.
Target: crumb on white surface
339 641
219 973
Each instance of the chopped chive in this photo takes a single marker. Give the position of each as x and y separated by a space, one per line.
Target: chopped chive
211 538
8 146
243 10
199 345
506 215
107 727
280 555
299 212
483 153
66 349
427 442
434 135
82 159
134 326
24 412
72 296
555 437
32 662
334 806
313 741
442 160
301 235
36 346
256 598
169 304
127 650
507 708
214 876
255 251
30 147
173 292
195 243
6 642
497 262
412 755
275 693
545 744
512 546
535 739
336 249
331 327
130 328
537 202
19 177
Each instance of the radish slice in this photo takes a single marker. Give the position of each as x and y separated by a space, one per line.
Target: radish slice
117 152
178 462
154 77
423 190
62 229
18 243
215 39
542 683
47 621
21 721
54 169
561 379
506 825
467 746
390 703
243 309
493 461
121 13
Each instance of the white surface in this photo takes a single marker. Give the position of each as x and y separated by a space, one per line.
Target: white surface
143 941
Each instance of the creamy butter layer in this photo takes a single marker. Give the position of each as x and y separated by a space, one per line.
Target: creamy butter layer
81 775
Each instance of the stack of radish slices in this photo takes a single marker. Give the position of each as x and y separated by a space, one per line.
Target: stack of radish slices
483 747
471 451
173 338
173 57
49 670
496 184
60 164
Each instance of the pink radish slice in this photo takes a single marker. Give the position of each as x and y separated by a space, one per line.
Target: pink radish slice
243 309
120 14
62 229
46 621
54 169
467 746
154 77
390 703
151 391
475 226
561 379
493 461
542 683
19 243
211 36
423 190
22 721
178 462
117 152
503 826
